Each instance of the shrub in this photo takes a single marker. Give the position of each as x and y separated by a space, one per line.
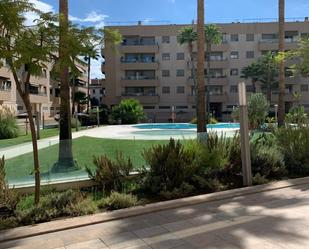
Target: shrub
118 201
169 167
297 115
33 215
8 197
129 111
112 175
294 144
83 207
212 120
267 161
8 124
258 108
75 123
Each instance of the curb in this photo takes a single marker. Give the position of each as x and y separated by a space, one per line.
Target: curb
77 222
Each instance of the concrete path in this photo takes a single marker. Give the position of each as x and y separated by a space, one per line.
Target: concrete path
275 219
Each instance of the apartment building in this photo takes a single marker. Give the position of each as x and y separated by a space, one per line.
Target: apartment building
97 91
44 91
152 67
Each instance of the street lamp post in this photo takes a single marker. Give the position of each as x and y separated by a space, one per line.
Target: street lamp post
244 135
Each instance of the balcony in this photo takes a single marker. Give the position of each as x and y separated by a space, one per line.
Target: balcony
219 80
142 98
140 81
219 62
151 47
5 94
141 64
38 98
224 46
273 44
215 97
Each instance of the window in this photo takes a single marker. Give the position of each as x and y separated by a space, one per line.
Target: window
51 92
44 73
165 39
93 91
52 108
233 89
180 73
234 72
181 107
304 88
165 73
166 57
180 56
165 90
180 89
164 107
250 54
234 38
249 88
57 92
249 37
234 55
149 107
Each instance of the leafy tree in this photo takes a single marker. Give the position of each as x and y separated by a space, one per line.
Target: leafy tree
26 50
188 36
213 36
80 98
297 115
129 111
201 120
281 103
253 72
258 109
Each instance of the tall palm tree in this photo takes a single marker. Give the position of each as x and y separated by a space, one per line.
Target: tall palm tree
188 36
65 159
213 36
281 103
201 117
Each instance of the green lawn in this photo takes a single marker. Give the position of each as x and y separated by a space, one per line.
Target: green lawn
84 148
23 138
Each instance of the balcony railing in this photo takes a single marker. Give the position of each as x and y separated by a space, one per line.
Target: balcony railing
139 94
139 78
287 40
5 89
38 93
139 43
141 60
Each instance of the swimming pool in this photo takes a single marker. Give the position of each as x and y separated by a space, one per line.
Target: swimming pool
185 126
179 130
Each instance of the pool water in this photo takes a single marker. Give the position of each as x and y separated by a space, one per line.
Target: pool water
185 126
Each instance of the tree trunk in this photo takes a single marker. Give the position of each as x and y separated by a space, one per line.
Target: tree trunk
254 85
193 77
281 103
201 122
88 84
208 53
26 100
65 159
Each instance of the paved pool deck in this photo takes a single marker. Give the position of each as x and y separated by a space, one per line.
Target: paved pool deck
276 219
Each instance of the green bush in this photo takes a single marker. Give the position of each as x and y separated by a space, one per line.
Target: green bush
84 207
118 201
294 144
212 120
8 123
112 175
258 108
129 111
297 115
75 123
167 167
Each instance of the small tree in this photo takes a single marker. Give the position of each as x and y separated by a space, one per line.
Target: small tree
129 111
26 50
258 109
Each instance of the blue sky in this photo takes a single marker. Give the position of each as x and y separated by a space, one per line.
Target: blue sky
112 12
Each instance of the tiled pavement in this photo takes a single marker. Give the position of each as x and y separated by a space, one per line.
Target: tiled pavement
277 219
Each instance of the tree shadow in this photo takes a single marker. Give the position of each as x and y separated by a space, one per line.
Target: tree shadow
270 219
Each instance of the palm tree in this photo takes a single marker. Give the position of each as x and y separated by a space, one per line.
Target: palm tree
201 117
252 72
65 159
281 104
188 36
213 36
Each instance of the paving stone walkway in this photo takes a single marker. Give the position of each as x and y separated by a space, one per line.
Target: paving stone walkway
277 219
